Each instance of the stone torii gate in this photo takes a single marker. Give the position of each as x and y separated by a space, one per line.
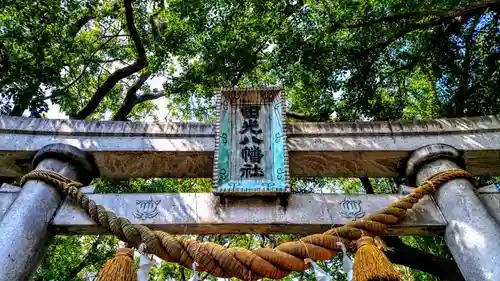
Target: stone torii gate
82 150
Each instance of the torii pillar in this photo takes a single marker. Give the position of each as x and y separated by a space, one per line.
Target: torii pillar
472 234
24 229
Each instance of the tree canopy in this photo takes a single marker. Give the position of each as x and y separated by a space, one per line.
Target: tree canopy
350 60
337 61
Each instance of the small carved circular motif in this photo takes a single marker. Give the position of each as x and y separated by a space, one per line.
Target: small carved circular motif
278 137
225 104
234 184
280 172
222 175
223 137
234 96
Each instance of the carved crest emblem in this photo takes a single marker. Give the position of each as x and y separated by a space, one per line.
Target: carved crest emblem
146 209
351 209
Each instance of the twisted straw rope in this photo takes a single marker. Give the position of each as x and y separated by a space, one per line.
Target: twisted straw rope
239 262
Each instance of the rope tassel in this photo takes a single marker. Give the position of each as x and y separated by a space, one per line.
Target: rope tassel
370 263
120 267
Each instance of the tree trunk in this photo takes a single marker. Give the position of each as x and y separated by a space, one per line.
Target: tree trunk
408 256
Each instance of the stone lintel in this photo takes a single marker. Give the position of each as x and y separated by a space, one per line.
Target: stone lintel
204 213
140 149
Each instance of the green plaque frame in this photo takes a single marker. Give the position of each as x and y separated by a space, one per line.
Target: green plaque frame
251 154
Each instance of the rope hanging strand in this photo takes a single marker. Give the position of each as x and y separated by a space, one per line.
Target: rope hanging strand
120 268
239 262
370 263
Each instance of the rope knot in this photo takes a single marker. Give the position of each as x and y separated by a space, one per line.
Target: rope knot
75 184
127 252
365 240
431 185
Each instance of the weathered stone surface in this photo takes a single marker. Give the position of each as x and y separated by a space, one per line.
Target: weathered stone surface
472 232
492 188
204 213
136 149
25 225
7 195
9 192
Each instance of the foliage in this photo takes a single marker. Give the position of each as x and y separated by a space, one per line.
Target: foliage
434 245
74 257
384 60
154 186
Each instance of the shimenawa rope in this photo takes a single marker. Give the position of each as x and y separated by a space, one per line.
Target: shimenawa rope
239 262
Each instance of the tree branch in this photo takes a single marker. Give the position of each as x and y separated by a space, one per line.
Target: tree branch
108 60
491 63
463 94
154 27
367 185
301 117
409 28
237 78
183 275
153 96
456 16
409 66
131 99
4 59
247 67
82 21
140 63
84 69
75 28
84 262
115 36
408 256
205 276
388 19
420 14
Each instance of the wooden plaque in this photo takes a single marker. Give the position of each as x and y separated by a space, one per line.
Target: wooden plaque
251 156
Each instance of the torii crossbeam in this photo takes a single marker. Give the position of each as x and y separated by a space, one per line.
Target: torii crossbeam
132 149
